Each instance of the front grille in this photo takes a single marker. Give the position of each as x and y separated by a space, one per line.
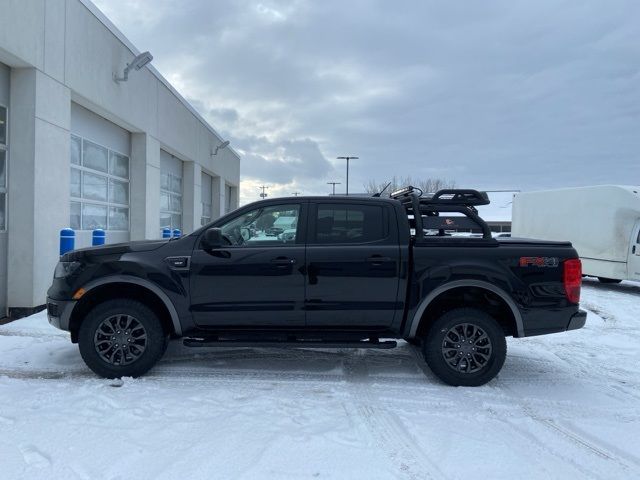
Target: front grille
52 309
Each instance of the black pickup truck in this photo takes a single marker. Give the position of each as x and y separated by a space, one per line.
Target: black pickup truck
349 272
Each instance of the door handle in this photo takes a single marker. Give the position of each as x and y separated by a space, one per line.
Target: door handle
378 259
283 261
633 250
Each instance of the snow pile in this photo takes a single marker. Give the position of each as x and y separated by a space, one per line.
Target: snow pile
564 406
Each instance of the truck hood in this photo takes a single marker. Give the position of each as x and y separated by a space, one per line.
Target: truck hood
113 249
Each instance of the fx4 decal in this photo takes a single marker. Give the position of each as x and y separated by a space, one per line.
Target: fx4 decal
539 261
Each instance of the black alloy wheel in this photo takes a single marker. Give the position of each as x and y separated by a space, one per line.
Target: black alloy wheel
465 347
121 338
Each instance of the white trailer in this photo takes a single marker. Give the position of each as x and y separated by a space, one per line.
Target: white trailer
602 223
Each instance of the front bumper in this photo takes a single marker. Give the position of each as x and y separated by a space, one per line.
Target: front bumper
577 320
59 312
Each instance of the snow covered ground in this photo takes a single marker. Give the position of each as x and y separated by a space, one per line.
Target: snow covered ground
564 406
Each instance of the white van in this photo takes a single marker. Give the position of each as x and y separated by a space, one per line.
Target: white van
602 223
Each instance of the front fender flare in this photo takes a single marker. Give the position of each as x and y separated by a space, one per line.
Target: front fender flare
417 316
175 320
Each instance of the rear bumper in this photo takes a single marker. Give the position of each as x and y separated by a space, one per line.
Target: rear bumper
543 321
59 312
577 320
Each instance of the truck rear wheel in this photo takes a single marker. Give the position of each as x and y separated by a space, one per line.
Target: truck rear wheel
121 338
465 347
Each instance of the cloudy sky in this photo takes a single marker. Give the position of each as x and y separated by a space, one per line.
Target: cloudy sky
492 94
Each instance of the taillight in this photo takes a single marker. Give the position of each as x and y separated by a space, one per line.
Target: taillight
572 279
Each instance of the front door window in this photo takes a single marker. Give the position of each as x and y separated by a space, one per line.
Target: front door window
264 226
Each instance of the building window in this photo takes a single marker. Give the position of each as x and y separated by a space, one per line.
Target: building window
3 168
3 126
170 191
3 188
99 187
206 198
227 198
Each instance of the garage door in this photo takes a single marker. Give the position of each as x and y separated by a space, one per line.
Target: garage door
100 166
170 191
4 165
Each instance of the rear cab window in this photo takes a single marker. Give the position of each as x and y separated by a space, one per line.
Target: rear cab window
349 224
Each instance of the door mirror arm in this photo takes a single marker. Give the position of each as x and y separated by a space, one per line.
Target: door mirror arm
212 239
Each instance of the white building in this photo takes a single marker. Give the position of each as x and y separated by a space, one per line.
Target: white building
82 150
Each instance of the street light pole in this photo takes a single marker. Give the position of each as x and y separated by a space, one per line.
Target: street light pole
334 186
347 159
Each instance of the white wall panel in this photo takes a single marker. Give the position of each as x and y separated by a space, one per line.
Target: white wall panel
62 55
4 84
93 127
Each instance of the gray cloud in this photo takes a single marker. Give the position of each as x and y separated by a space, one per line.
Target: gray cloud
496 94
284 162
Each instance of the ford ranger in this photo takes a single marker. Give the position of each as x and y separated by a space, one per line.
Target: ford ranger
359 272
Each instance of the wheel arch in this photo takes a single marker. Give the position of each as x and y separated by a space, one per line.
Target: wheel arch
124 286
433 297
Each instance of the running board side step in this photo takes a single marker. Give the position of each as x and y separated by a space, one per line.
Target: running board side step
203 342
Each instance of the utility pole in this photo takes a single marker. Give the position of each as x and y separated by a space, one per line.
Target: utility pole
347 159
334 186
295 194
263 195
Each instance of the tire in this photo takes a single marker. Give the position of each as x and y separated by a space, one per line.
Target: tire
145 339
475 367
608 280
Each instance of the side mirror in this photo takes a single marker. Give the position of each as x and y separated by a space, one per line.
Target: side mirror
212 239
245 232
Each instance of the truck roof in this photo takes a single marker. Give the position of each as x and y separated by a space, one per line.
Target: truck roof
324 198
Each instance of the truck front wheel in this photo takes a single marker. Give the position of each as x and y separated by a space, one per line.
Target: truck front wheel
121 338
465 347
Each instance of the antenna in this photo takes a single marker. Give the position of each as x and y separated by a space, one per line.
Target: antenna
381 191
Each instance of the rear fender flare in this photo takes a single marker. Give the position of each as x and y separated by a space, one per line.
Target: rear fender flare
415 321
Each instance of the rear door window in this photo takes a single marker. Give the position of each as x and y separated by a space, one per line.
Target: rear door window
336 224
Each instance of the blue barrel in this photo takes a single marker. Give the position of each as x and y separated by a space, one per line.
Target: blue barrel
98 237
177 233
67 240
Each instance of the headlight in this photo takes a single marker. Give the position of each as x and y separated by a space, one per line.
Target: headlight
64 269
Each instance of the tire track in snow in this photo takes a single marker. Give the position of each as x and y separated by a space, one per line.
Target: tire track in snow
5 333
385 427
567 436
22 374
577 439
172 373
544 448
